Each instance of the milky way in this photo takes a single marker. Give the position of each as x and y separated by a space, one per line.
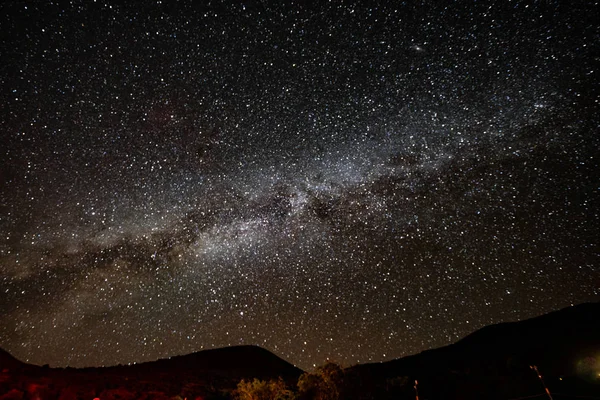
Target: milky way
345 182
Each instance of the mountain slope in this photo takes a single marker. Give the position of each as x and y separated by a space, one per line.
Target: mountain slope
205 374
8 361
494 362
552 339
248 361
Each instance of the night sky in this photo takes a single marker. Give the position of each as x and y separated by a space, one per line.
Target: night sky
328 181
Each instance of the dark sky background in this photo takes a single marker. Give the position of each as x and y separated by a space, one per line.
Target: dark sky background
325 180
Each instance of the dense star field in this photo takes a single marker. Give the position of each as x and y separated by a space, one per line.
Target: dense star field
352 182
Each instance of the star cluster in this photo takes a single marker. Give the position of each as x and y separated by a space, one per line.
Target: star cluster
345 181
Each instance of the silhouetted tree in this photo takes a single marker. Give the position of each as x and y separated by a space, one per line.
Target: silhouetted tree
323 384
263 390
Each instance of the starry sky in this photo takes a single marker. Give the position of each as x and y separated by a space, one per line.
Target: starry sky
328 180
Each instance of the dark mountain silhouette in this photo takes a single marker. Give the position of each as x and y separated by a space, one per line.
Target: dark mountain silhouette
237 361
8 361
564 345
492 363
205 374
552 340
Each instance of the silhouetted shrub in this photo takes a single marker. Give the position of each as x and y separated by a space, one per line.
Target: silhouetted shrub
323 384
263 390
